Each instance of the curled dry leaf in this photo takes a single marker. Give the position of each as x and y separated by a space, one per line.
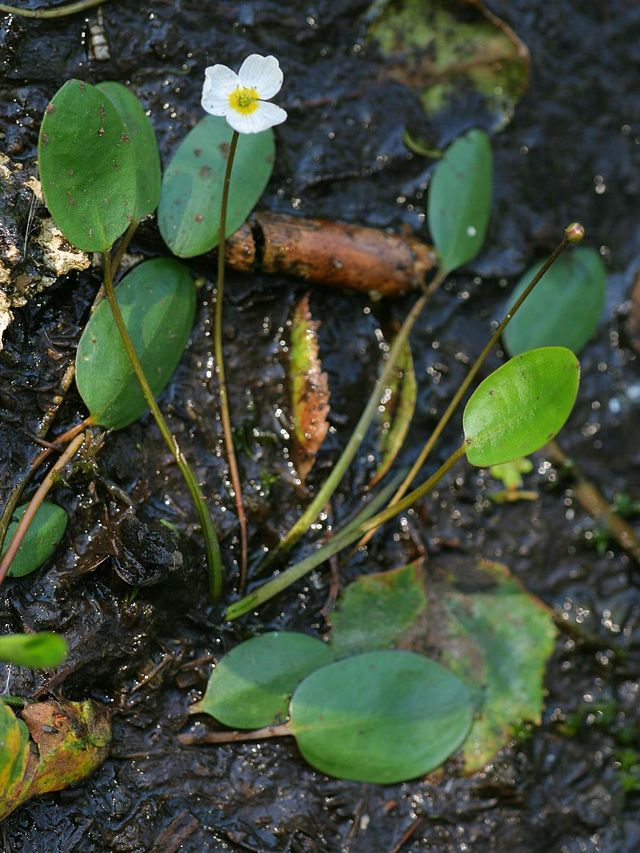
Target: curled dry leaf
51 746
309 389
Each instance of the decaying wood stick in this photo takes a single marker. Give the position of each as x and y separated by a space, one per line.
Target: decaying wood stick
339 254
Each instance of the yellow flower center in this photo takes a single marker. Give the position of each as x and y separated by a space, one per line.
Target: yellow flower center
244 100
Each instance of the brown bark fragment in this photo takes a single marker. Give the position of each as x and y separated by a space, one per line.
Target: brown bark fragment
338 254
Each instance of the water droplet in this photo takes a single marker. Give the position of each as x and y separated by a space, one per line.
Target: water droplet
471 231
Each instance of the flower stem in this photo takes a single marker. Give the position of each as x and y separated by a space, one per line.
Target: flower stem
457 397
35 503
220 372
357 436
214 559
340 541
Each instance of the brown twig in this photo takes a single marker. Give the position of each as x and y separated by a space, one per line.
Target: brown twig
336 254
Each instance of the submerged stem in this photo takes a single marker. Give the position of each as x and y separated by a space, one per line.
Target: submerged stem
214 559
340 541
225 416
457 397
357 436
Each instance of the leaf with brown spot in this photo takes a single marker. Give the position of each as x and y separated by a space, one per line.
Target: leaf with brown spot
68 741
309 389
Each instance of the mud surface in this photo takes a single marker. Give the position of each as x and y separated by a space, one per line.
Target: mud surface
572 152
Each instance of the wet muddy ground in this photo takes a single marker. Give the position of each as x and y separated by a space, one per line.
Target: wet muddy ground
572 152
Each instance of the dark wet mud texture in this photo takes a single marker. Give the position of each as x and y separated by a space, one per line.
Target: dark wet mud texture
572 152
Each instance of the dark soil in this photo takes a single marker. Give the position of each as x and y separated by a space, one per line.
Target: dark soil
340 155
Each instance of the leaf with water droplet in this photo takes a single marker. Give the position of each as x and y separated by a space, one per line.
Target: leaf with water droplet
459 200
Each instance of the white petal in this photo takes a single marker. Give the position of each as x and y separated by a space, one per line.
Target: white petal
267 115
220 80
263 74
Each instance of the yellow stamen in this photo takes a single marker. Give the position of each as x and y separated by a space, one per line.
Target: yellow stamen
244 100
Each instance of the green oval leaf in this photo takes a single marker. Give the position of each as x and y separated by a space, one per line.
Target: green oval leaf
41 539
250 687
142 138
459 203
189 212
565 306
157 300
86 165
37 651
520 406
382 717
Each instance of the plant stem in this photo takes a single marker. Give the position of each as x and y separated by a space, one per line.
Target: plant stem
234 737
340 541
35 503
355 440
124 245
462 390
225 417
56 12
214 559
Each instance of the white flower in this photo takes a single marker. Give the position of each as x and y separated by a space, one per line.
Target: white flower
242 98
